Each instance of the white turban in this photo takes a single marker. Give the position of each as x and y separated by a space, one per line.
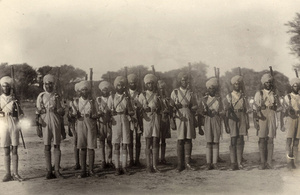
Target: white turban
6 79
132 78
212 82
48 78
150 77
84 84
265 78
104 84
236 79
294 81
119 79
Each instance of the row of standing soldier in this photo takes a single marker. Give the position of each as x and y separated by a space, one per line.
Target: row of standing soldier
120 117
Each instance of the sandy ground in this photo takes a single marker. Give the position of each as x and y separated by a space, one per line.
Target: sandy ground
248 181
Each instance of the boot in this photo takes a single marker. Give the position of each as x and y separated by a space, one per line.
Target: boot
262 152
91 155
57 157
76 156
233 158
102 155
7 176
49 174
117 162
187 149
15 161
83 173
148 161
180 155
239 153
270 156
215 151
155 159
124 162
130 152
208 156
163 152
295 154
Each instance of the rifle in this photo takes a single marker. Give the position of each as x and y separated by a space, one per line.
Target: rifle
225 119
57 98
16 109
93 110
296 72
245 99
130 106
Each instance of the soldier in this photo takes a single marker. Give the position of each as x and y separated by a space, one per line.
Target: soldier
86 126
48 118
236 114
72 124
265 106
165 132
10 112
151 107
291 105
185 105
118 105
212 111
105 132
135 122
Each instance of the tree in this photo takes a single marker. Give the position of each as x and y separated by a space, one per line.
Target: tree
294 29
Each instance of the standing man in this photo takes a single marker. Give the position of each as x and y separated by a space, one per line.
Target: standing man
48 116
165 131
212 111
151 121
118 105
236 113
136 128
291 106
185 105
10 112
72 126
266 102
105 132
85 111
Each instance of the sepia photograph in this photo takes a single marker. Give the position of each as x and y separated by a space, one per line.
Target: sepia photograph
149 97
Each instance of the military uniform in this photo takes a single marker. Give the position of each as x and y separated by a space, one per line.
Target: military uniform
135 124
10 112
151 122
166 112
86 125
291 106
49 112
183 102
266 102
105 131
236 108
212 107
118 105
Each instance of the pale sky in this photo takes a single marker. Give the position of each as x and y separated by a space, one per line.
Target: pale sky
108 35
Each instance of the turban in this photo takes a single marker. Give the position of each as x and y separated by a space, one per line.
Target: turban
6 79
83 84
76 87
132 78
236 79
212 82
119 79
265 78
294 81
49 78
182 75
149 77
104 84
161 84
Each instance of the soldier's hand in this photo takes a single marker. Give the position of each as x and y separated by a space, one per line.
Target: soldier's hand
173 124
70 132
201 132
39 131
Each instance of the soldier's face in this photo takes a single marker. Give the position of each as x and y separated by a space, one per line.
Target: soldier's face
84 92
132 85
212 91
49 87
295 88
120 88
150 86
268 85
184 82
237 86
6 88
105 92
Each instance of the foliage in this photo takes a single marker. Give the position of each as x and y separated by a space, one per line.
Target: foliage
294 29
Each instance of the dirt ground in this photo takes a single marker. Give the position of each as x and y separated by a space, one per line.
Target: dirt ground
248 181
